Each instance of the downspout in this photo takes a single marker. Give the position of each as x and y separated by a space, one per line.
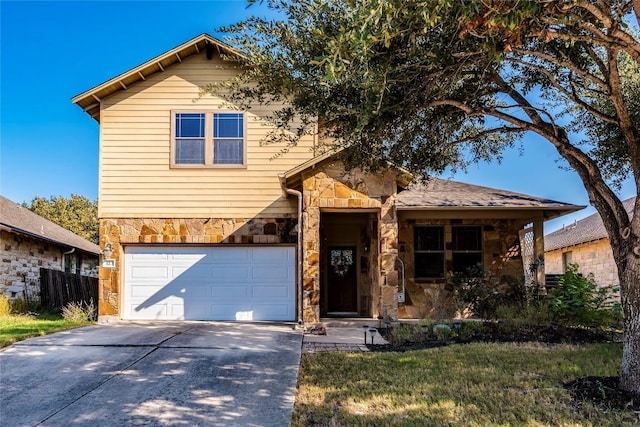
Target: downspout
300 256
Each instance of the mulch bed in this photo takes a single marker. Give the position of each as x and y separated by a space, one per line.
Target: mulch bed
604 392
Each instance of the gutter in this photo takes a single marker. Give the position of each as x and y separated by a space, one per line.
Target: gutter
17 230
298 194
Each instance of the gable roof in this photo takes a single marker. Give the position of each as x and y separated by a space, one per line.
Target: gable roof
586 230
89 100
16 219
446 194
292 177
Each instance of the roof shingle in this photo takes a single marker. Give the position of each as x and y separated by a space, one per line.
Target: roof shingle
443 193
22 220
586 230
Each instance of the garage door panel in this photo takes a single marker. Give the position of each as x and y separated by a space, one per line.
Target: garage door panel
231 273
157 311
270 292
221 293
273 256
195 272
149 273
209 283
275 311
276 273
231 255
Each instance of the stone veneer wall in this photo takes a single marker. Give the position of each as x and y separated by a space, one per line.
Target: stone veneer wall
592 258
433 298
130 231
329 186
21 259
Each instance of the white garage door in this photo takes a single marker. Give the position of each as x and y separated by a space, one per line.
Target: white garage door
209 283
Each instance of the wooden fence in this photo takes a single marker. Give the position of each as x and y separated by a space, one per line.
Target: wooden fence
58 288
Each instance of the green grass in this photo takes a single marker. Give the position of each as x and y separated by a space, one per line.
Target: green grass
476 384
15 328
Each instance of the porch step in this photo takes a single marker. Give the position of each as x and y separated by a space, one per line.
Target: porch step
349 322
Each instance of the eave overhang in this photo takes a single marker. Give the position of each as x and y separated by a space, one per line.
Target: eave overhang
90 100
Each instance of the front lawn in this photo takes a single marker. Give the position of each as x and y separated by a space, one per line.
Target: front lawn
477 384
15 328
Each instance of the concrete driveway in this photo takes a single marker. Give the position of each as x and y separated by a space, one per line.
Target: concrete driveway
146 373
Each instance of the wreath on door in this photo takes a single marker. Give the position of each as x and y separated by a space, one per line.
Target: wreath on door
341 261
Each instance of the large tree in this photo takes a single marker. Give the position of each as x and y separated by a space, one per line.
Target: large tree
432 84
77 214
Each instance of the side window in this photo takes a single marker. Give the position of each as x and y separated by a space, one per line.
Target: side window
429 252
204 139
190 139
228 138
466 246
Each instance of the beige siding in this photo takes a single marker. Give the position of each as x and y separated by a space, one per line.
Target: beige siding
135 143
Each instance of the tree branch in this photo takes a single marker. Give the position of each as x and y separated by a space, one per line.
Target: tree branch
565 64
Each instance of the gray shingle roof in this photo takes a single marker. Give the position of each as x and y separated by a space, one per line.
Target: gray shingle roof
21 220
586 230
443 193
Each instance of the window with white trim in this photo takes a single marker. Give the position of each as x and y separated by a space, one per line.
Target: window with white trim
205 139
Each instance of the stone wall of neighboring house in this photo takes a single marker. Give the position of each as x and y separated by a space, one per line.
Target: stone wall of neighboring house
329 187
594 257
120 232
433 298
22 258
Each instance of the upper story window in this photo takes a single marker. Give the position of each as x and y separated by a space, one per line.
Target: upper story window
228 138
208 139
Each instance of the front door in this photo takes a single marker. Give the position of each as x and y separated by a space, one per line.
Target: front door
342 280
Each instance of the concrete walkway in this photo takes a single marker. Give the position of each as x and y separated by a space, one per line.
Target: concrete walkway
350 338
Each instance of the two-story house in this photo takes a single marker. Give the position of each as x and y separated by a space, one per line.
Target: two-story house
203 222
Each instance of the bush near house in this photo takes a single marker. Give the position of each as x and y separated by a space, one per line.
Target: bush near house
575 301
578 301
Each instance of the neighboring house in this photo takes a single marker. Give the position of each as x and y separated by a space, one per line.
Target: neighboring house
585 243
207 223
29 242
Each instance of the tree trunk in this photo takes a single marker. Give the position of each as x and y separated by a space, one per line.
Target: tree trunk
630 292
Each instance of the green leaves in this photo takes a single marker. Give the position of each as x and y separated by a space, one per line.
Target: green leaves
77 214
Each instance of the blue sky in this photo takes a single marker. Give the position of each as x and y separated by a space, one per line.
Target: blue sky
51 51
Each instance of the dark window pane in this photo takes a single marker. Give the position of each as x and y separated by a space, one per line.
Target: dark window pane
227 152
429 239
190 125
467 238
463 261
228 125
429 265
190 151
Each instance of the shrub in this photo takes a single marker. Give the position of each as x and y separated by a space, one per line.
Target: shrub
484 293
442 332
5 305
578 301
80 311
24 306
406 334
470 329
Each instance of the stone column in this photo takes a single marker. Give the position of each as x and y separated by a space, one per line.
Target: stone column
388 256
311 249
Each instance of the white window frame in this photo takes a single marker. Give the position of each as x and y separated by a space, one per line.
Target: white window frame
209 161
